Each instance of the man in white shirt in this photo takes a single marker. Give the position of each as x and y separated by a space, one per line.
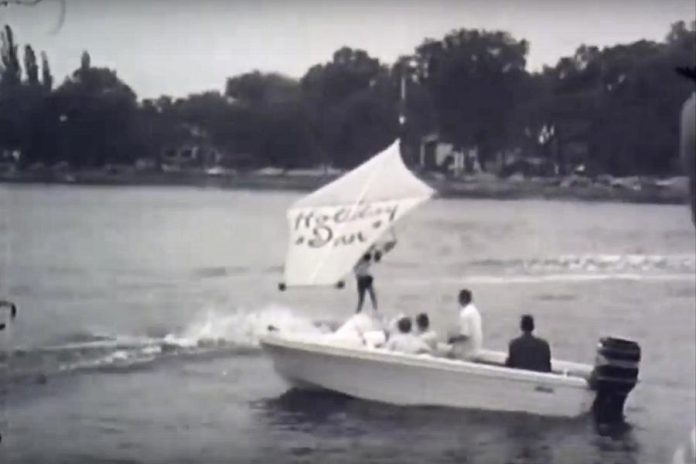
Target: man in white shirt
406 342
467 343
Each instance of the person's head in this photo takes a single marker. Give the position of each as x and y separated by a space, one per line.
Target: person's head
404 325
422 322
465 297
527 323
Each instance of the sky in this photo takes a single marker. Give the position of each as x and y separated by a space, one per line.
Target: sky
178 47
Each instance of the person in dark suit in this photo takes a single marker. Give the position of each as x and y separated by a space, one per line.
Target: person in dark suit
527 351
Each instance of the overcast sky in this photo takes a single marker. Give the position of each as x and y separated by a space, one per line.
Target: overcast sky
177 47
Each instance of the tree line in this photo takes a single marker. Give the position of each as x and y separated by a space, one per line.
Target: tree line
612 110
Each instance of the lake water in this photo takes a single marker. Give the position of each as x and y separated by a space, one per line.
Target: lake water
140 310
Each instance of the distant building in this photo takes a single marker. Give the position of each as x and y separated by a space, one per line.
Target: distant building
527 166
146 164
179 158
440 156
9 160
187 156
191 156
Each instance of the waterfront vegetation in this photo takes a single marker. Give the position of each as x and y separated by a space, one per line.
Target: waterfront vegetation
610 111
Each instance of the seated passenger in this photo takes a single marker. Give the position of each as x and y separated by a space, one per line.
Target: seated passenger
527 351
424 332
392 325
406 342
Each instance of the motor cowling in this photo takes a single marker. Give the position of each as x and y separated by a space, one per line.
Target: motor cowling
615 374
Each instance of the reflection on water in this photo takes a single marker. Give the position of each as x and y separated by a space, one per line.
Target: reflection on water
445 435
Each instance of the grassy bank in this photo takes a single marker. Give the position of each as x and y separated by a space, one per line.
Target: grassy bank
634 190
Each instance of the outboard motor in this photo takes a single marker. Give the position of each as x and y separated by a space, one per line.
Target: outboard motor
614 376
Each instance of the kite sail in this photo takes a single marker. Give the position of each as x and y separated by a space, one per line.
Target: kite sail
331 228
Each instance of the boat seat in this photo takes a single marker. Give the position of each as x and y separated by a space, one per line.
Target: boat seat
564 368
488 362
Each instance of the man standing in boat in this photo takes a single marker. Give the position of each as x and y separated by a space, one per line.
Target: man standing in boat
467 343
363 276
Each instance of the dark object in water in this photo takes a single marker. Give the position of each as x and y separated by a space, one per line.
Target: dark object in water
281 286
13 311
614 376
685 71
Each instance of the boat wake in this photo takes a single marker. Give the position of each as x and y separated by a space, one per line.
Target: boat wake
565 268
621 264
574 278
210 333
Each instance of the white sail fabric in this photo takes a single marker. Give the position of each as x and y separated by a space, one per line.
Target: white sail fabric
331 228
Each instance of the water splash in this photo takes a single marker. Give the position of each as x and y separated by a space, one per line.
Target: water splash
210 331
242 328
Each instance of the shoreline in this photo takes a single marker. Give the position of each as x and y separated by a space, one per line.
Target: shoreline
630 190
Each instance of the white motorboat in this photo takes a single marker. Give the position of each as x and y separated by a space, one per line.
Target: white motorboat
571 389
330 230
404 379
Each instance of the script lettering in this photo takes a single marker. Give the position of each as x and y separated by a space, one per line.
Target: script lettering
305 218
322 235
317 228
391 211
342 215
349 239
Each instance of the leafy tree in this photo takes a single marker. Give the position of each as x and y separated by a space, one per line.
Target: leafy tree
46 76
11 96
619 104
627 99
256 88
11 70
268 119
351 107
94 114
473 77
30 66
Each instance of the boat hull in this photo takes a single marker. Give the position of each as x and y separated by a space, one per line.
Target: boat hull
403 379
